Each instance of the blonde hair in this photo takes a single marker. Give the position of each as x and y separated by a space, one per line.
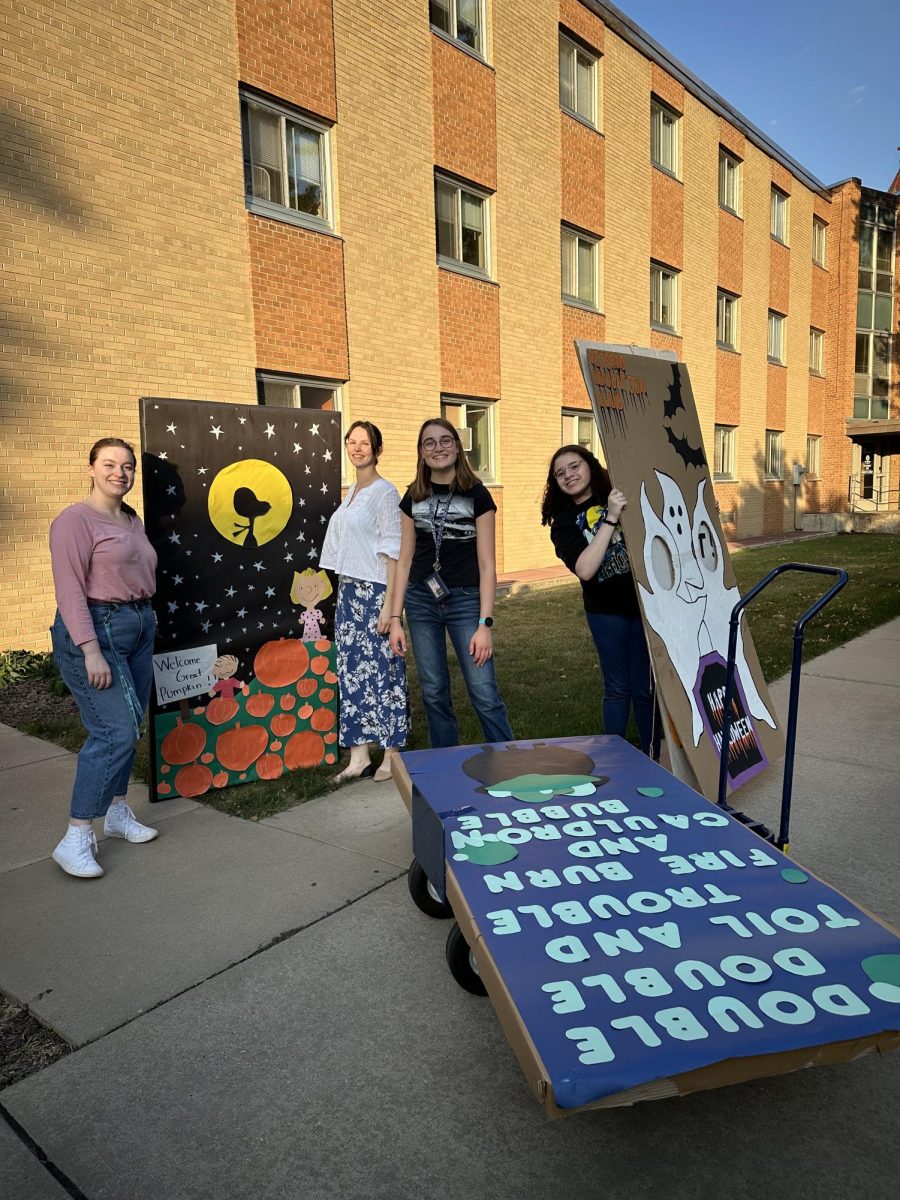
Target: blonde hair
327 589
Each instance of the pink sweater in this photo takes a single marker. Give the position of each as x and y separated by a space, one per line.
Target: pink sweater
94 556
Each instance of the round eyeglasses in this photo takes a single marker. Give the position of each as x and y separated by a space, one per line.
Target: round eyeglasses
444 443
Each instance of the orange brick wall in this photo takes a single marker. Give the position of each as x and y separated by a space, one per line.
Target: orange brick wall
728 387
780 279
465 117
582 153
470 335
582 22
587 326
298 299
286 48
667 233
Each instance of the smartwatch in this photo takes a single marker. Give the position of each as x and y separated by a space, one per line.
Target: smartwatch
487 621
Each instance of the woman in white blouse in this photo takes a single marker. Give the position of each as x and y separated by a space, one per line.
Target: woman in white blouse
362 544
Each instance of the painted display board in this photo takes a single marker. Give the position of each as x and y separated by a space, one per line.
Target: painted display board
637 941
236 502
645 412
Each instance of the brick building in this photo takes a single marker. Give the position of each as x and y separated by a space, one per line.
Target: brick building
398 209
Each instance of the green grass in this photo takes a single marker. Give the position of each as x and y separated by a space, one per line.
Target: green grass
548 668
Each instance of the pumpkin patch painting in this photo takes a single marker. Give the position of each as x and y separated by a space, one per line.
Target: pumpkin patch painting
236 502
650 432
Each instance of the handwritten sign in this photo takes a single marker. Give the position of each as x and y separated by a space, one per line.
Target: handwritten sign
642 932
181 674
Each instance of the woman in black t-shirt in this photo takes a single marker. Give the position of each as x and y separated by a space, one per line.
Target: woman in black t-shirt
447 576
582 509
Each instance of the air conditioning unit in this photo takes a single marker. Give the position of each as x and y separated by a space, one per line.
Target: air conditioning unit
465 436
262 184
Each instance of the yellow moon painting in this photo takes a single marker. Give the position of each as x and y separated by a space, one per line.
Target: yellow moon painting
250 502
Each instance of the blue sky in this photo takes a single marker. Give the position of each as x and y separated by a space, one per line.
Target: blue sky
821 79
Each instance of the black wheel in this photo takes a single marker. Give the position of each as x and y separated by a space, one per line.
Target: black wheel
461 962
424 894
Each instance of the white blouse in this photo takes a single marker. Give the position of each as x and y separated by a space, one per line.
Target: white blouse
363 534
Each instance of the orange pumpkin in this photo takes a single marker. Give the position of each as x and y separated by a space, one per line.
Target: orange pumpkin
304 750
283 724
269 766
326 694
207 758
261 704
193 780
319 664
220 710
305 712
287 702
330 739
306 687
165 769
163 789
323 718
238 748
282 662
221 779
323 644
330 677
274 745
329 758
183 743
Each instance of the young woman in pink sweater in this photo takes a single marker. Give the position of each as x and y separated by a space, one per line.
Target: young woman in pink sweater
104 572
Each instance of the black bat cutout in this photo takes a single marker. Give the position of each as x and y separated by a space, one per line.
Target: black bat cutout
691 456
674 402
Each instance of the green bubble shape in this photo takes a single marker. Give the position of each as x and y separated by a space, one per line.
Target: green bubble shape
794 875
488 855
883 968
652 792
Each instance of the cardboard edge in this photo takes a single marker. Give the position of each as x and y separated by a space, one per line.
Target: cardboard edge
403 781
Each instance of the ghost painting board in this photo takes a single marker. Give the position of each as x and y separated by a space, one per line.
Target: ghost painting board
236 502
645 412
638 942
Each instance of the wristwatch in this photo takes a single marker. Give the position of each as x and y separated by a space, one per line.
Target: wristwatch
488 621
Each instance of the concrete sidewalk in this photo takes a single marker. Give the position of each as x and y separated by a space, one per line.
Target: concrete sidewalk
258 1015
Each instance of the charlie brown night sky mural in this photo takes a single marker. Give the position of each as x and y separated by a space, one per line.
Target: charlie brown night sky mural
237 499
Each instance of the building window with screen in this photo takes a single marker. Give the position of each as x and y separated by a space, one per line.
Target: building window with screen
664 136
462 227
773 453
286 164
726 320
580 268
776 337
778 212
820 236
729 182
816 351
461 20
723 459
813 451
663 298
578 81
874 307
474 421
580 429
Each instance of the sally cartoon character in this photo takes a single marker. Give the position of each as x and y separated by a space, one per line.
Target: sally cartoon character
309 588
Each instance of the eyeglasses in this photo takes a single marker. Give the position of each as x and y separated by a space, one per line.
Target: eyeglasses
445 443
564 471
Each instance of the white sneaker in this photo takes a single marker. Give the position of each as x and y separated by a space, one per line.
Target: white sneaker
75 853
120 822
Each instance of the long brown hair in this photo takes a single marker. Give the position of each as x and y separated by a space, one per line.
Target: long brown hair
555 500
119 444
420 488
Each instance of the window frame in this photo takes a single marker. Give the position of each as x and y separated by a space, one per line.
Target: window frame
774 455
463 403
287 379
775 350
779 215
671 275
461 187
724 299
820 242
724 448
726 157
567 42
813 455
578 236
816 351
659 108
272 208
452 34
576 415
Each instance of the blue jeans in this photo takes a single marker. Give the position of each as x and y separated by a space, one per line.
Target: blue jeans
627 677
429 623
112 716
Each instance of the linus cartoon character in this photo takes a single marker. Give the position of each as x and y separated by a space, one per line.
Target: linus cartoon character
309 588
226 684
533 775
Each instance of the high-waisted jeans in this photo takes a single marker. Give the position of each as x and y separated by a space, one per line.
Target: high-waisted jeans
430 621
627 677
112 716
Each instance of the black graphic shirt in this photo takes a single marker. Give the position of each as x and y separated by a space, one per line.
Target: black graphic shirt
612 588
459 555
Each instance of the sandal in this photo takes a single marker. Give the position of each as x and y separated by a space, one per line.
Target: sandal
347 775
383 774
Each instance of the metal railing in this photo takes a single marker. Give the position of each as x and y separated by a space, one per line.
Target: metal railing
869 492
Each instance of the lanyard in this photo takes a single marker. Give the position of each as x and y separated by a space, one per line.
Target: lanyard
439 511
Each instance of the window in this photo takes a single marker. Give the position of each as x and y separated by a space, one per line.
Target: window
723 462
579 262
295 391
286 167
820 234
461 222
816 348
462 20
778 226
729 181
664 122
874 306
776 337
580 429
474 420
813 450
577 80
773 454
663 298
726 320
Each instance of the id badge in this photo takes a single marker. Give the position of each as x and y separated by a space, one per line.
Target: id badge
437 587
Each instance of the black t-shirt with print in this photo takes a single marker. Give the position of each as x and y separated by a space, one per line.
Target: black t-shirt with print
459 554
612 588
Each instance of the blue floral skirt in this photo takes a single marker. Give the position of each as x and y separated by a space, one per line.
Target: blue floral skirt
372 680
